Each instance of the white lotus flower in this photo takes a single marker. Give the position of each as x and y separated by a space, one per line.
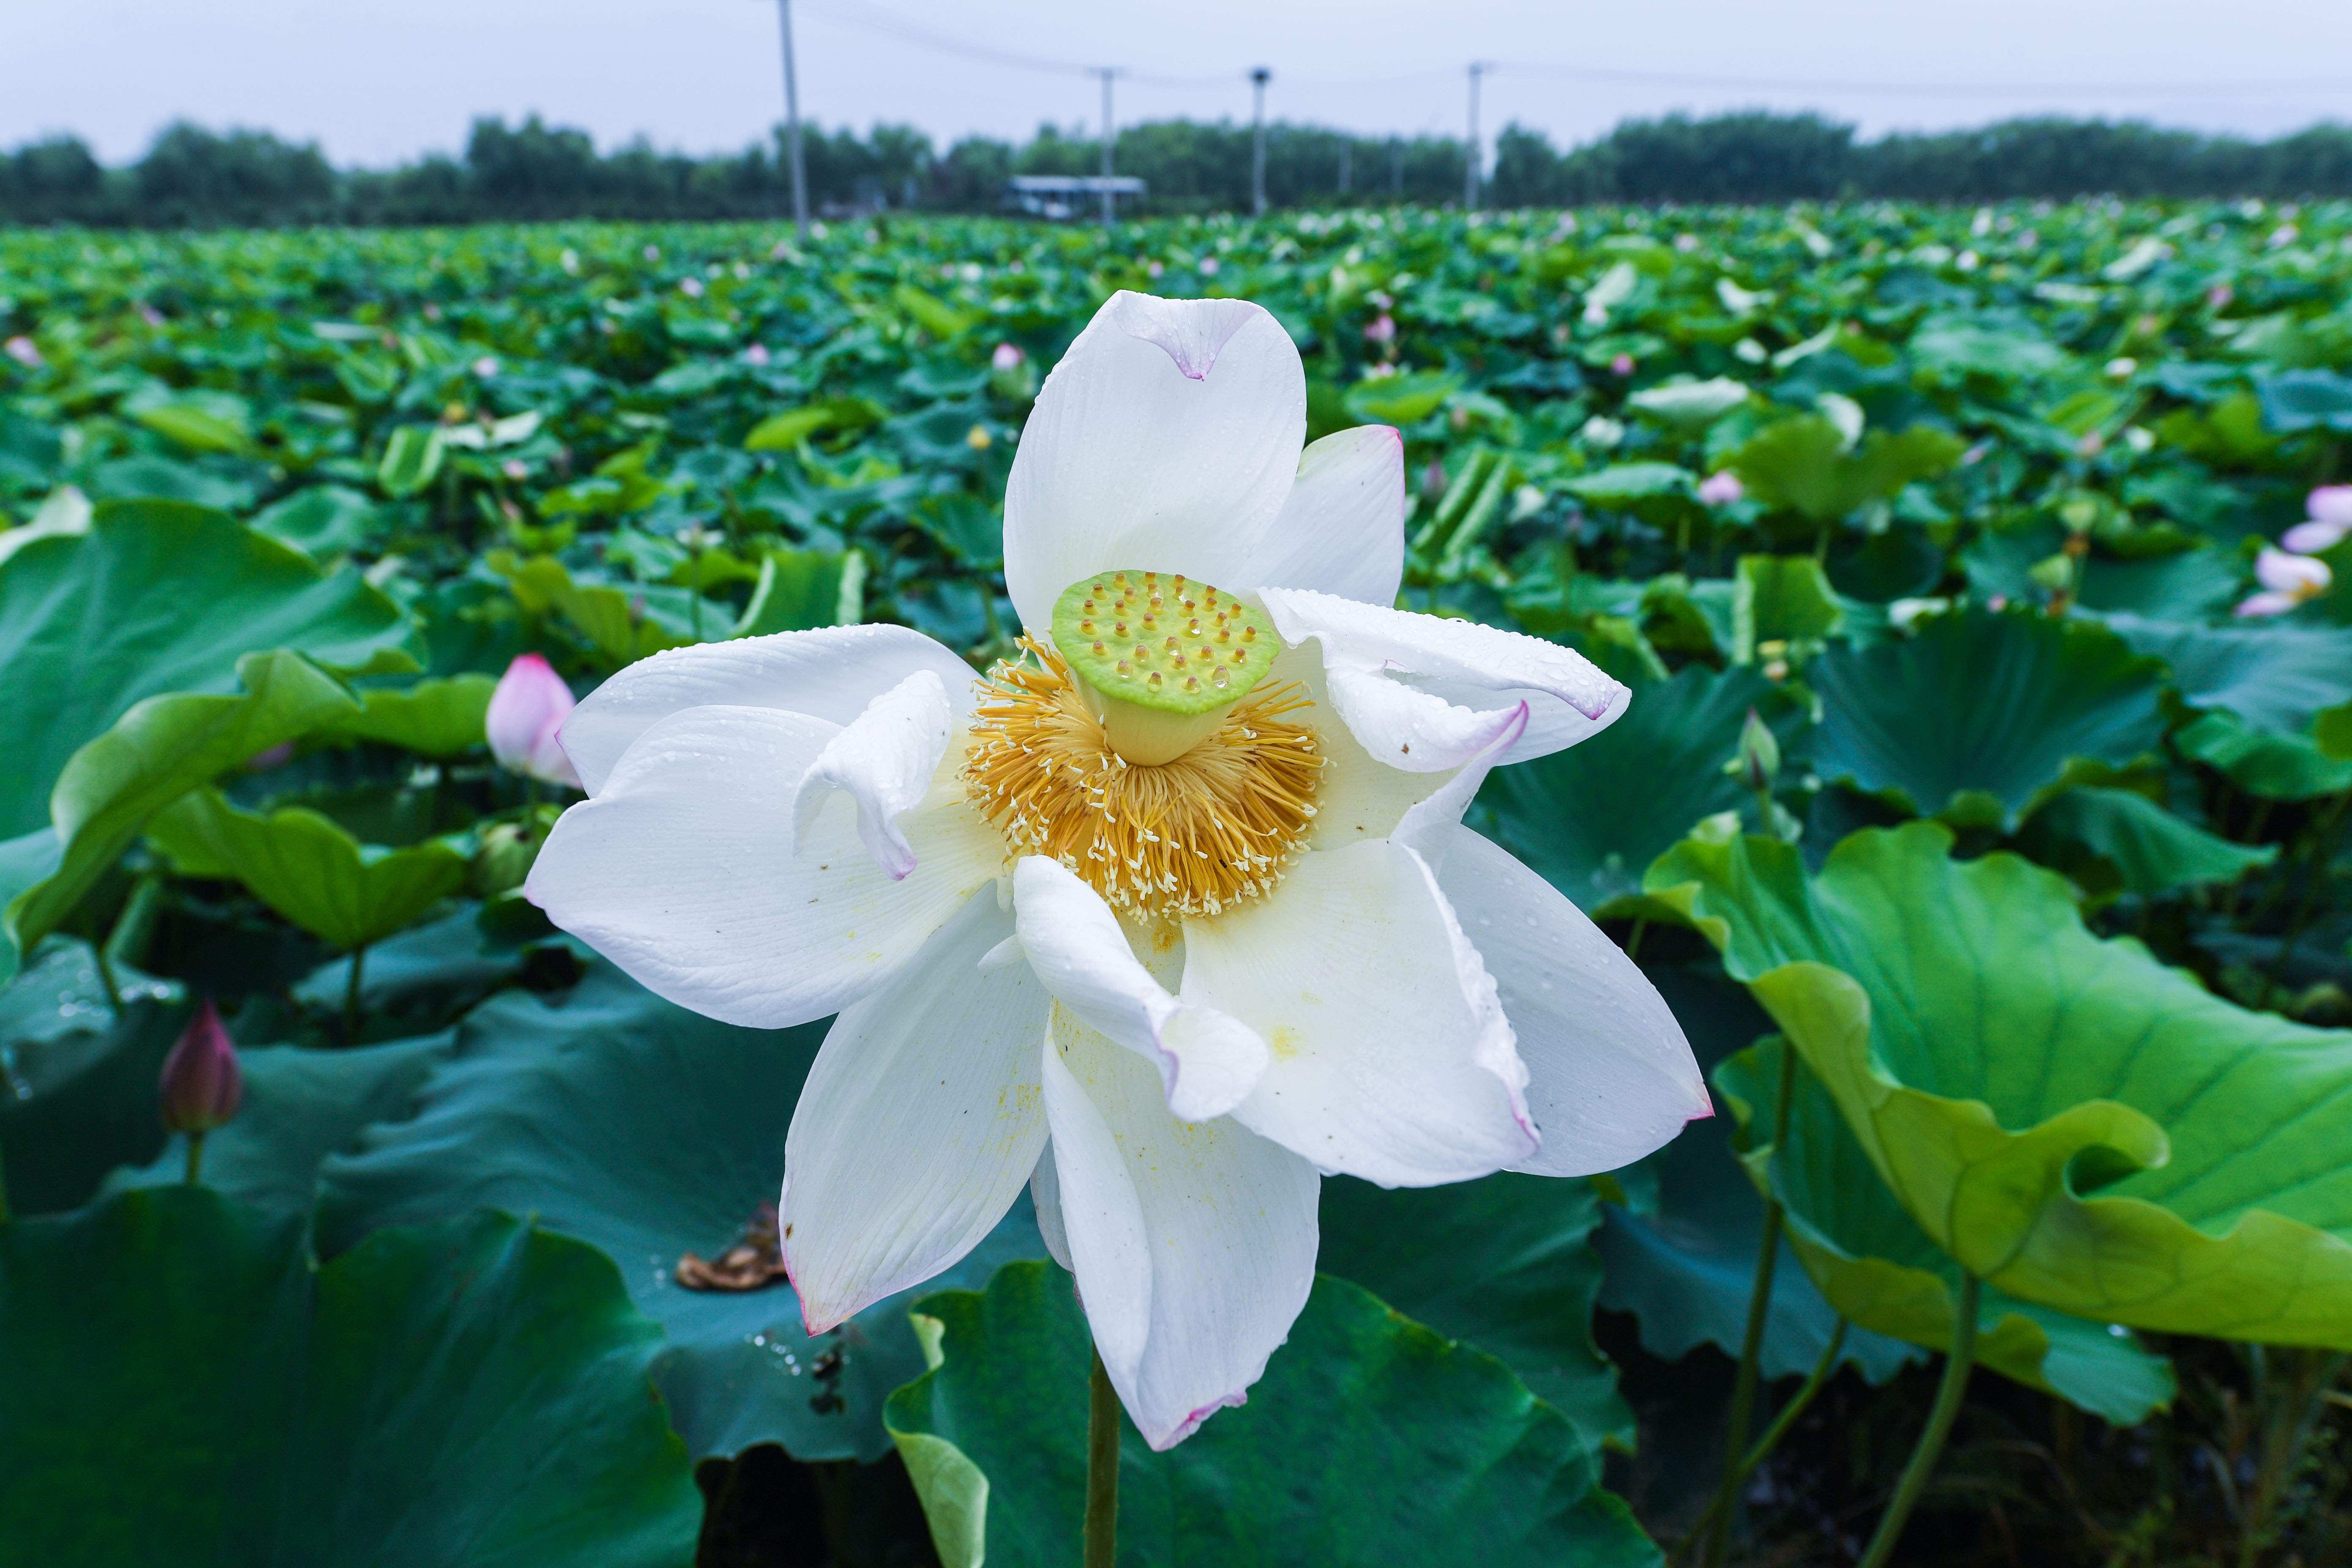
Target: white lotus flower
1176 914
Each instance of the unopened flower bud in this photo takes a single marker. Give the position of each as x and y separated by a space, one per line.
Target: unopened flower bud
1381 328
1433 482
525 712
1759 753
1008 357
1720 490
202 1084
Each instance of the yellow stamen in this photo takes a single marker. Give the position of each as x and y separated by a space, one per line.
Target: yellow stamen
1216 827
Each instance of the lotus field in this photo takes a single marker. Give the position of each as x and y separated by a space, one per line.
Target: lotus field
1630 887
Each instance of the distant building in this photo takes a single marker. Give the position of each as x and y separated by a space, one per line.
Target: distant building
1049 195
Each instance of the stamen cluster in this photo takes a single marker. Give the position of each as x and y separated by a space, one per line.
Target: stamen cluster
1194 836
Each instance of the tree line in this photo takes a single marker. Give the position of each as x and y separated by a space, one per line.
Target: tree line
194 177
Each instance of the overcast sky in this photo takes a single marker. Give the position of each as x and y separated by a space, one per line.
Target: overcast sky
380 82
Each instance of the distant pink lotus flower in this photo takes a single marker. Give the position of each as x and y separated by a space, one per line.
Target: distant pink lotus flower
1156 269
2287 581
1381 328
202 1085
152 316
515 468
1720 490
690 286
486 367
1209 265
526 711
1621 365
2218 297
22 350
2330 510
756 354
1008 357
653 253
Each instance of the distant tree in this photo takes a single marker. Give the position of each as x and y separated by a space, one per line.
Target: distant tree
192 178
56 180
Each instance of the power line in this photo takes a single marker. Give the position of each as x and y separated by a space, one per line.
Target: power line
870 19
1925 89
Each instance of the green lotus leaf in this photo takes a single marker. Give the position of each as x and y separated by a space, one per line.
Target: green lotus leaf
1884 1273
1780 598
1500 1264
2273 766
2076 1123
2148 849
75 1103
156 597
321 522
1805 465
1372 1439
800 590
277 1413
307 867
2273 678
1588 819
1980 714
2333 732
650 1132
157 753
1684 1262
1401 399
439 718
1690 406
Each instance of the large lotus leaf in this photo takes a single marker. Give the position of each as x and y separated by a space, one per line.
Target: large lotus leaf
1589 818
75 1104
1685 1263
306 868
1502 1264
471 1392
2080 1125
437 718
1981 713
1780 598
299 1107
2273 678
651 1131
2333 732
1807 465
2150 850
1371 1440
2273 766
1885 1273
156 596
163 748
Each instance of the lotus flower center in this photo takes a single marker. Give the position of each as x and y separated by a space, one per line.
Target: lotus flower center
1150 759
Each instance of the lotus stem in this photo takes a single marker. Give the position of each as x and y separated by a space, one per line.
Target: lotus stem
4 1188
195 1157
352 996
1751 1346
106 977
1102 1469
1762 1449
1940 1415
2286 1439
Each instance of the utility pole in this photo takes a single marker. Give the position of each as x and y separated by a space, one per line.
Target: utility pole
1106 73
1470 159
792 125
1258 79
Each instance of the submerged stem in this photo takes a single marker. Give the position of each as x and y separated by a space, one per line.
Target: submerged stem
1940 1415
1751 1346
1102 1469
1798 1402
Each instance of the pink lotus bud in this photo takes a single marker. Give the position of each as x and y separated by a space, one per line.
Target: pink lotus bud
2218 297
1433 482
1382 329
525 713
1209 265
1621 365
486 367
515 468
1155 270
2330 503
756 354
152 316
24 352
202 1084
277 757
2091 445
1720 490
1008 357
